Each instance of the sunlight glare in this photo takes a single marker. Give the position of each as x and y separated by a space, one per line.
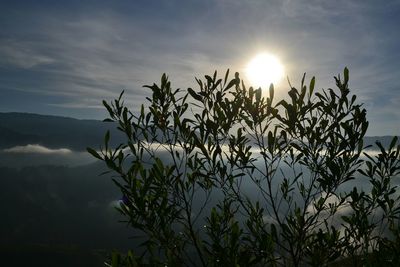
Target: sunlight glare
263 70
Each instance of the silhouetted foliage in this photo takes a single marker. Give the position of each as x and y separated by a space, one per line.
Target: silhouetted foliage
253 182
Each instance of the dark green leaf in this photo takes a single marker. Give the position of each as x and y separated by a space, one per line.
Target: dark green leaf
194 94
94 153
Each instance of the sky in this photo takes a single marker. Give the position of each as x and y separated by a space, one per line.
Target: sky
65 57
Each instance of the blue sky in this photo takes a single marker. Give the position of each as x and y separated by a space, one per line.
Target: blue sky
65 57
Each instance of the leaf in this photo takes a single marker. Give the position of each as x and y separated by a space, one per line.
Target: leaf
194 94
226 76
231 83
209 79
258 94
393 143
302 80
109 109
107 138
120 95
271 92
312 84
164 80
94 153
346 75
271 142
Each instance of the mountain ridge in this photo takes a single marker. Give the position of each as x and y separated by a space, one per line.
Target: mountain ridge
52 131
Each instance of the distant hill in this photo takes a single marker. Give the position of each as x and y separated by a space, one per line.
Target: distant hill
53 131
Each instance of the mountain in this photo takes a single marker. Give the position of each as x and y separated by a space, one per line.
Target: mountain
56 132
53 131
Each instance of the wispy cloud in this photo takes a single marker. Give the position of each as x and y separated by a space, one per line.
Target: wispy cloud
21 55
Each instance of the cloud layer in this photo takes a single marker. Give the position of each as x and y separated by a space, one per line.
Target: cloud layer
36 149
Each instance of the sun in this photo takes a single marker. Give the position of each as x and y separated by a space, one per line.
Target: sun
263 70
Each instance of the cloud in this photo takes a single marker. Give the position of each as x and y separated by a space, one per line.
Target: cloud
74 105
21 55
36 149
